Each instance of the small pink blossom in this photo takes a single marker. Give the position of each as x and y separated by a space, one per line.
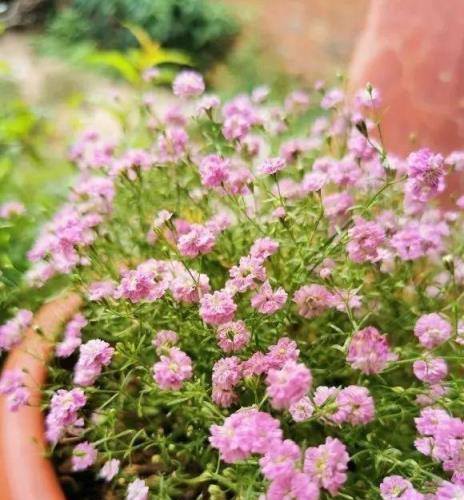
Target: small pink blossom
313 300
280 460
137 490
369 351
432 330
164 339
110 469
397 487
327 464
288 384
72 336
302 410
217 308
188 84
233 336
285 350
293 486
199 240
430 370
263 248
100 290
83 456
271 166
11 209
365 239
13 330
93 356
243 433
172 369
63 414
214 170
268 301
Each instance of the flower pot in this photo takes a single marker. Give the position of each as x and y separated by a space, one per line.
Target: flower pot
25 472
412 51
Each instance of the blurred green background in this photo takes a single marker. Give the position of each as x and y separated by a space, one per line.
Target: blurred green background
66 64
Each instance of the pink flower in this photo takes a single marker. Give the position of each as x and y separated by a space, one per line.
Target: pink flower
189 287
325 398
199 240
313 300
227 372
150 74
109 469
449 491
285 350
263 248
345 172
188 84
245 432
332 99
280 460
408 243
233 336
12 385
244 275
369 351
147 282
355 406
226 375
326 464
63 414
164 339
368 98
336 205
172 369
137 490
302 410
426 174
207 103
432 330
296 102
430 370
100 290
72 336
236 127
313 181
257 364
172 144
271 166
83 456
365 239
293 486
93 356
214 170
260 93
13 330
397 487
11 209
268 301
217 308
288 384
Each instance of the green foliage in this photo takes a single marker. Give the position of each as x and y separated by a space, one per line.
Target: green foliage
27 175
201 28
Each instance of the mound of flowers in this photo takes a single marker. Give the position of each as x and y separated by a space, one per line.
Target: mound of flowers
272 308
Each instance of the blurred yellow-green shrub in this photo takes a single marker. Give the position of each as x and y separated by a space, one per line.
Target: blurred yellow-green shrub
204 29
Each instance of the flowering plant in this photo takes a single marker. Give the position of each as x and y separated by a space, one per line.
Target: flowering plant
272 306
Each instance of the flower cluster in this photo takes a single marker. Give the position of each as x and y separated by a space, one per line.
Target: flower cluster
12 331
272 303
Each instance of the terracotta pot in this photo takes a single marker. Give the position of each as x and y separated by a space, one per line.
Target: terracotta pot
25 473
413 51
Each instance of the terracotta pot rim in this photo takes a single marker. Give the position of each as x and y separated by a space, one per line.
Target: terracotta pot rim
25 470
